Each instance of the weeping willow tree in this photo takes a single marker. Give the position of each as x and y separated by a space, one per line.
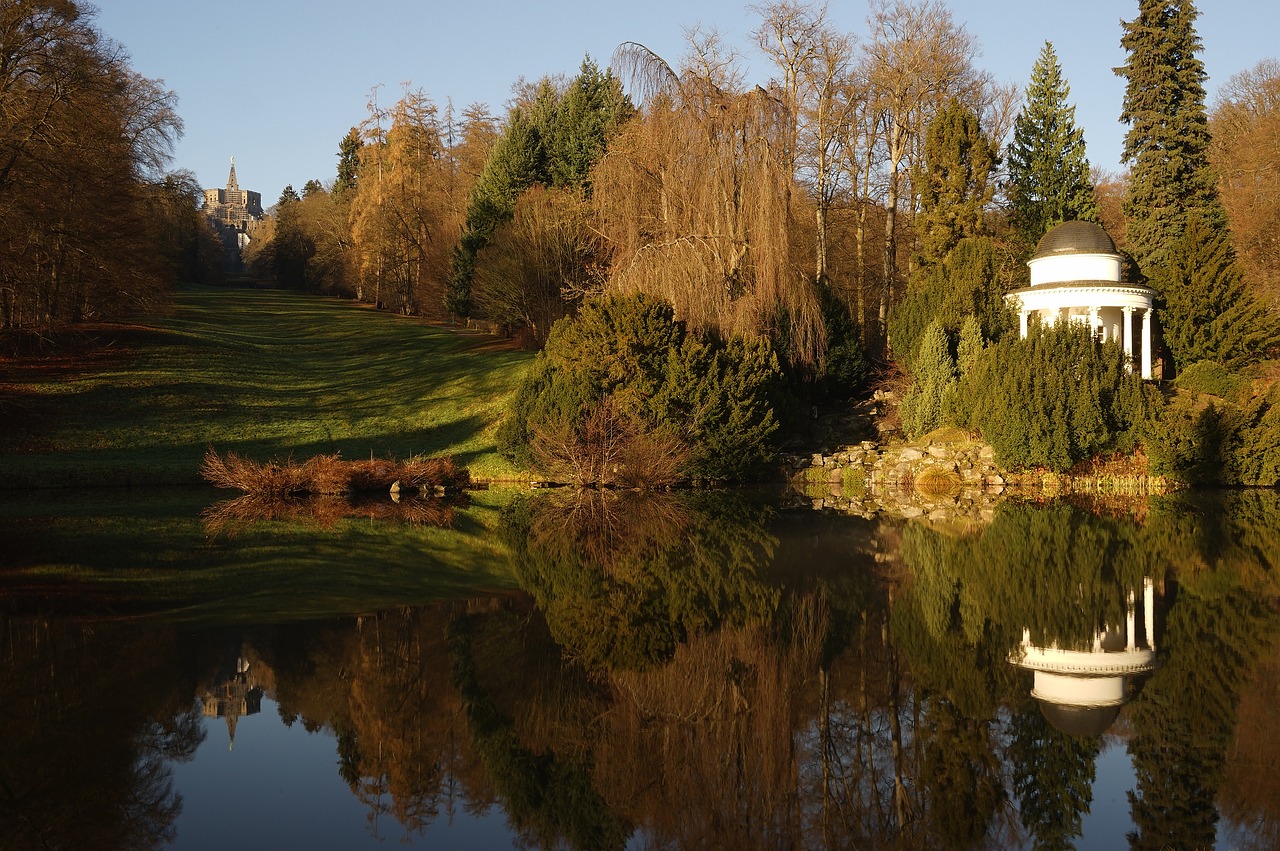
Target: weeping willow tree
694 198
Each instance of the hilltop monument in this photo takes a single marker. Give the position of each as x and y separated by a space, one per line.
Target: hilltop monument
235 212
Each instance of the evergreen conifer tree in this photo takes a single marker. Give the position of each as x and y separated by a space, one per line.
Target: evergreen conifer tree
1168 138
554 141
954 181
1048 179
925 406
348 161
1208 312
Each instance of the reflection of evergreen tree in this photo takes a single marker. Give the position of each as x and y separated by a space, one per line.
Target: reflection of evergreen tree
548 796
92 720
1053 776
972 675
1184 721
961 775
622 579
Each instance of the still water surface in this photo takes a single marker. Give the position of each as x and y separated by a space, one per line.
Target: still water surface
600 671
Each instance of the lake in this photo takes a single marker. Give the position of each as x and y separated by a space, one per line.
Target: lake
550 669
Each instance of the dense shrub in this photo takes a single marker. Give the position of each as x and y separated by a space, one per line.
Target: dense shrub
930 398
1053 399
1209 377
1187 441
845 369
1253 442
624 394
1211 441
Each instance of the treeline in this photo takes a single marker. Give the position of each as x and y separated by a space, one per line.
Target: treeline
754 210
861 194
846 219
92 227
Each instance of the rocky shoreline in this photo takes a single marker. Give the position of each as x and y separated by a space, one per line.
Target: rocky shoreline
942 477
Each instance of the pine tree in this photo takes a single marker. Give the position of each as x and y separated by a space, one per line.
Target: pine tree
1167 142
590 112
516 162
1208 312
553 140
1048 179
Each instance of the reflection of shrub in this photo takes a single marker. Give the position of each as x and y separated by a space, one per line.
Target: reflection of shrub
935 480
232 516
622 394
623 578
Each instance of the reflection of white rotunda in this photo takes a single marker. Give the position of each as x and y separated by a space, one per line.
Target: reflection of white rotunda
1081 691
1075 277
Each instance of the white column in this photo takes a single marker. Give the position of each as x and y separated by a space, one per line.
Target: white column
1130 624
1022 323
1146 343
1093 321
1149 611
1128 338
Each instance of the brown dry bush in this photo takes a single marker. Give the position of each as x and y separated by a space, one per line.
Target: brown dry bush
609 452
330 475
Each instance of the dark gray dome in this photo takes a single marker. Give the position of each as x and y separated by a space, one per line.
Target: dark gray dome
1075 238
1079 720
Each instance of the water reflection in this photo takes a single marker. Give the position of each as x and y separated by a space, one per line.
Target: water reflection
712 671
233 516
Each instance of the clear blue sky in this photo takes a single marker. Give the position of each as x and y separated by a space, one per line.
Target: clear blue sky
277 83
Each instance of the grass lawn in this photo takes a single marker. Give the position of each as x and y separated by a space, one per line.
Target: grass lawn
264 373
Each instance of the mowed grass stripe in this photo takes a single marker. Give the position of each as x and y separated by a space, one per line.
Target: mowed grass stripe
264 373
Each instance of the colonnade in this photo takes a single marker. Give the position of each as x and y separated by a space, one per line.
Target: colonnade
1126 341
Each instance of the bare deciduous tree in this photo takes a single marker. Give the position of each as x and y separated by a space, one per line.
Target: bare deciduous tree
1245 153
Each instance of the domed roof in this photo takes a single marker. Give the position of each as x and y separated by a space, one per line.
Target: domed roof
1079 720
1075 238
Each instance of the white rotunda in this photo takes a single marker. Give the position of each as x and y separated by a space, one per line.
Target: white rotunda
1075 277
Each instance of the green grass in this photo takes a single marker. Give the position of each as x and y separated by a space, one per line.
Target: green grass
263 373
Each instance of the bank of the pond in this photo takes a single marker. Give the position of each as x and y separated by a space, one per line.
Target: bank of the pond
946 475
263 373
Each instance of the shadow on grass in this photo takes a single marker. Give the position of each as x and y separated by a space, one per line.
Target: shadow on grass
265 373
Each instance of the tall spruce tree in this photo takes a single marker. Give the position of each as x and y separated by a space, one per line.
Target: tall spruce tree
1167 143
1048 179
348 161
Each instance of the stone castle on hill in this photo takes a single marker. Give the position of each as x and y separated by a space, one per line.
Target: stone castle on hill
234 212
